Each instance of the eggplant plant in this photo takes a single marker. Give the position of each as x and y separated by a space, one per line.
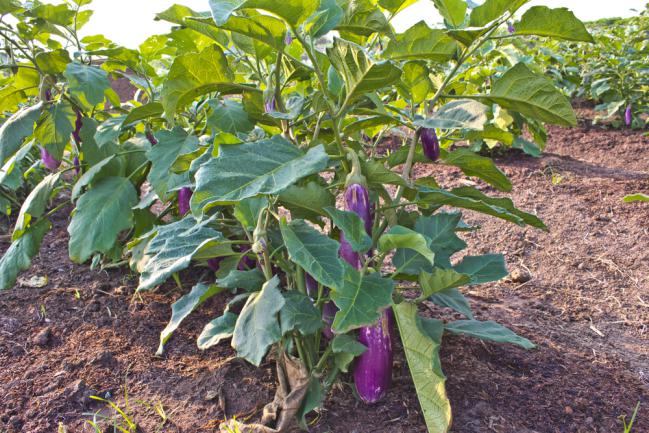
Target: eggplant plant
262 123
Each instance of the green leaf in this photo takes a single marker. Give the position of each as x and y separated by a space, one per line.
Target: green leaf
183 307
59 14
299 314
395 6
308 201
327 17
459 114
171 145
636 197
34 205
403 237
295 12
195 74
54 128
101 214
172 248
260 167
90 81
453 11
96 172
360 299
346 348
415 81
313 251
16 128
362 18
483 269
217 330
247 211
263 28
13 171
314 398
473 164
488 330
146 111
9 6
422 42
229 116
196 21
223 9
378 175
558 23
53 62
257 327
492 9
18 256
421 339
470 198
108 132
452 298
353 227
439 280
250 281
360 74
519 89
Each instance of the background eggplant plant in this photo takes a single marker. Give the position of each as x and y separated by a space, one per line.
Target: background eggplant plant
253 153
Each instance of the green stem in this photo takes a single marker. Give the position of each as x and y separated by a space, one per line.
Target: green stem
323 359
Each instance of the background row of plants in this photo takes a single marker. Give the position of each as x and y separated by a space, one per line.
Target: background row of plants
252 154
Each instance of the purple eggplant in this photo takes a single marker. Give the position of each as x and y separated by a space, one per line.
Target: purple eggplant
348 254
184 196
430 143
77 165
215 263
628 115
151 138
48 95
373 369
357 200
510 28
270 105
311 286
49 161
288 39
78 123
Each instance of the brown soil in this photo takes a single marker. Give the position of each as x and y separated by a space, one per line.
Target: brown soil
586 306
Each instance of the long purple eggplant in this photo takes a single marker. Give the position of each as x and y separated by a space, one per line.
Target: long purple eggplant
628 115
184 196
149 136
49 161
373 369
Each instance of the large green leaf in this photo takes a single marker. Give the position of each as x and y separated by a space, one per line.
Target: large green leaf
18 256
308 201
453 11
345 349
257 326
34 205
217 330
415 81
556 23
471 198
483 269
90 81
454 299
299 314
360 299
441 279
361 19
54 128
171 145
13 171
195 74
422 42
360 74
96 172
421 339
146 111
183 307
488 330
172 249
473 164
353 227
492 9
101 214
295 12
53 62
395 6
246 170
404 238
197 21
109 130
16 128
313 251
521 90
459 114
327 17
229 116
250 281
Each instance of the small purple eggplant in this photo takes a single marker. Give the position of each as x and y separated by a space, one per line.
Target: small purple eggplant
288 39
357 200
78 124
184 196
215 263
373 369
430 143
48 160
149 136
77 165
510 28
628 115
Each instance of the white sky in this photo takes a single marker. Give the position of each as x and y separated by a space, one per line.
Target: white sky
129 22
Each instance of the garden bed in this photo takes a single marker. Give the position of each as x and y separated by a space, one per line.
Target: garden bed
585 304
